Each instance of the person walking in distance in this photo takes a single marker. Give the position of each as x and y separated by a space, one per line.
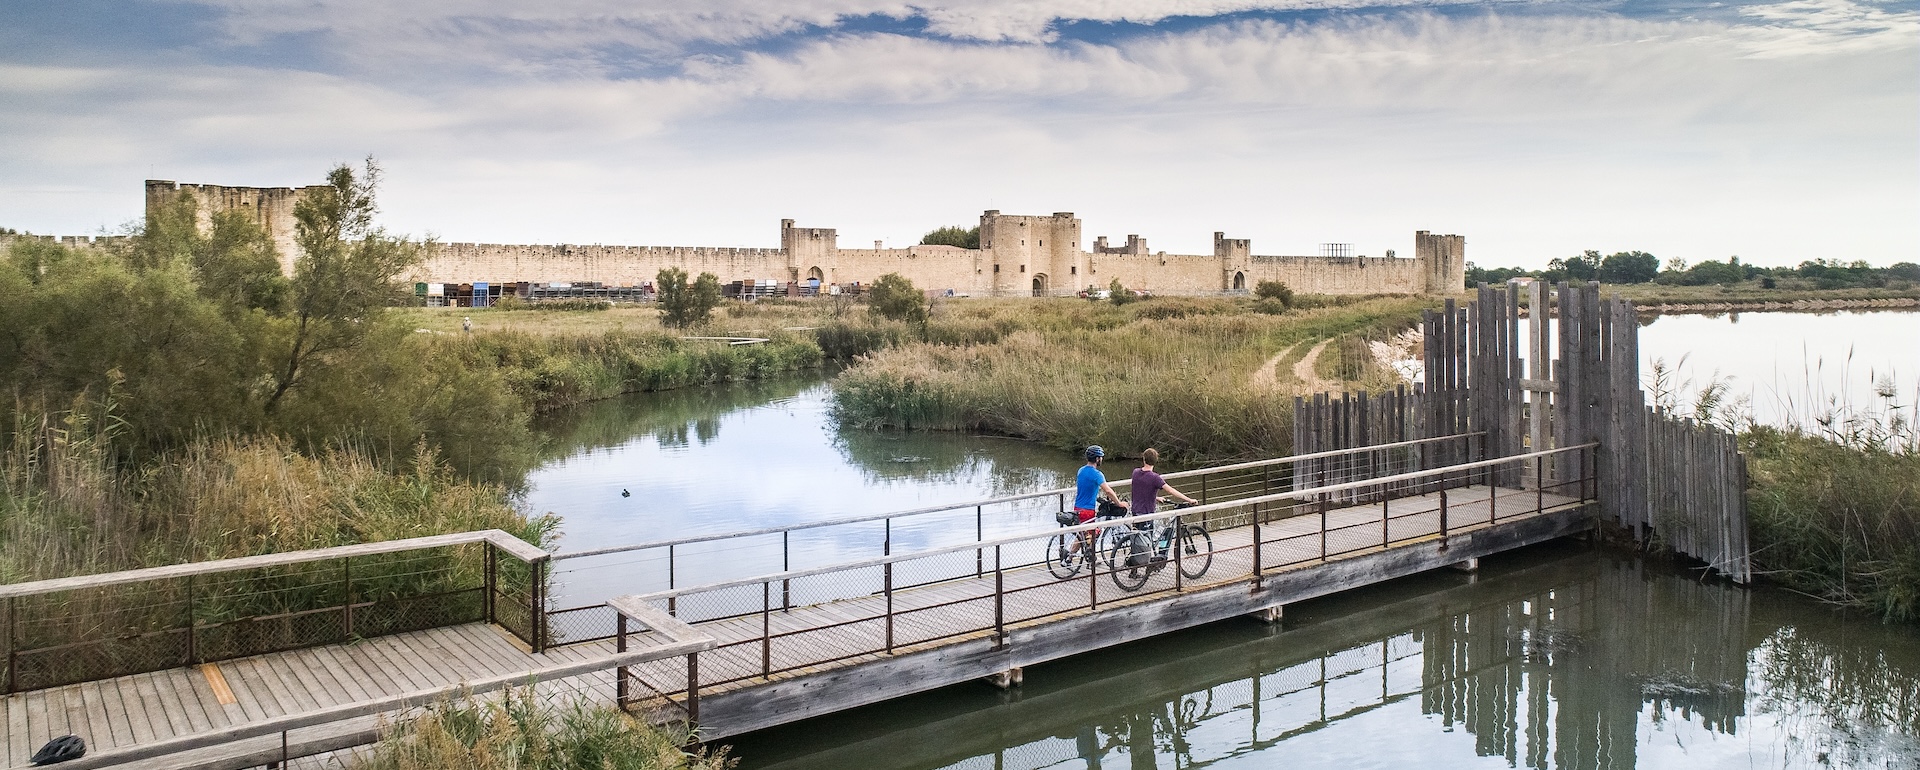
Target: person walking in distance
1089 486
466 324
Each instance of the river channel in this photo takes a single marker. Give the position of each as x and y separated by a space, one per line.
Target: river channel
1554 657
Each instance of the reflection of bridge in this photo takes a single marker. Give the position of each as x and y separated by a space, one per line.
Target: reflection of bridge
1439 479
1524 683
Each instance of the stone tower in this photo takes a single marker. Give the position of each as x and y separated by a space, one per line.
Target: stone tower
1236 261
270 207
1032 255
807 248
1442 260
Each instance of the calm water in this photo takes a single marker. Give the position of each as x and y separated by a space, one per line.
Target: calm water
1554 658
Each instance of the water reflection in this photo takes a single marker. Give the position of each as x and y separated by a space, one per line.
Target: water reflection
1563 660
753 455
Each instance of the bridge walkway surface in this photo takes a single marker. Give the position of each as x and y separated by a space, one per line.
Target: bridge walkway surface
752 651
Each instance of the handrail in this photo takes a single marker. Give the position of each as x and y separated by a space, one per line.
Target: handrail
1096 525
990 501
500 539
688 642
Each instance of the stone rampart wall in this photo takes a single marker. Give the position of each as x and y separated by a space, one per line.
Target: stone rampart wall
612 265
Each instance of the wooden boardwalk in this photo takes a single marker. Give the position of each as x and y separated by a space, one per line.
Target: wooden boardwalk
143 708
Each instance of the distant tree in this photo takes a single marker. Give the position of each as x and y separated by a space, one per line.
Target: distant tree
345 277
1274 290
1580 268
1119 293
1903 271
894 297
1629 267
684 305
953 236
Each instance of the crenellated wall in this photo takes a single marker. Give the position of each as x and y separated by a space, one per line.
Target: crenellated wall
1019 255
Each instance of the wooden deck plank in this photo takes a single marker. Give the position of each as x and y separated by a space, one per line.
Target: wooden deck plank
19 745
376 659
240 680
145 716
344 688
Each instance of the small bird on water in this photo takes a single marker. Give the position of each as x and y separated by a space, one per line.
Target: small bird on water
625 493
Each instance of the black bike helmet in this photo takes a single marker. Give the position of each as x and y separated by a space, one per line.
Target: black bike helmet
1095 452
60 749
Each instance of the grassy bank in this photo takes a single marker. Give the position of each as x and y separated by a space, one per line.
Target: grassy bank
1839 521
1182 375
521 732
68 505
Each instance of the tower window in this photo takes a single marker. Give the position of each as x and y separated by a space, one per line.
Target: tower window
1074 270
996 268
1023 268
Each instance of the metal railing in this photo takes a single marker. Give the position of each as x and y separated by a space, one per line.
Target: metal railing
709 558
333 728
799 619
91 627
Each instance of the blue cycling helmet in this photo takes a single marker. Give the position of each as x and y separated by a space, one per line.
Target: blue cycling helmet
1095 452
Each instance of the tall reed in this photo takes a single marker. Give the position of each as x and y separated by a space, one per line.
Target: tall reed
519 731
1074 373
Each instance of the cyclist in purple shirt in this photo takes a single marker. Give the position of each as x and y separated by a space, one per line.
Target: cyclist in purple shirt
1147 486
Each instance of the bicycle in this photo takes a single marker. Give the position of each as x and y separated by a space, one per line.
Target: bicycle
1137 554
1065 561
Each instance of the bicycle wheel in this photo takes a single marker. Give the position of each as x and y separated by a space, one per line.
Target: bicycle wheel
1130 577
1062 560
1196 551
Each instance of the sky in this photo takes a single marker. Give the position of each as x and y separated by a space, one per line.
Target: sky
1777 131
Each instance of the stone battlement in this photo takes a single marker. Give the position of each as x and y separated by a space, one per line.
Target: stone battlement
1018 255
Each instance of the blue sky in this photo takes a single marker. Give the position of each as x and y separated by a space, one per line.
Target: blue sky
1778 131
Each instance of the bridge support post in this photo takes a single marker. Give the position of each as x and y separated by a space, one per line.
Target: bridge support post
1008 679
1469 566
1270 615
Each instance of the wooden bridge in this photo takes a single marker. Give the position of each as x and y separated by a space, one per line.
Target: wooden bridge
263 660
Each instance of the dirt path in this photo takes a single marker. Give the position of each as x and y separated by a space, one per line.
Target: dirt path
1303 371
1267 376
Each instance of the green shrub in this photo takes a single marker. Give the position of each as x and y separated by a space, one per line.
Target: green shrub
894 298
520 730
1119 294
1275 291
684 305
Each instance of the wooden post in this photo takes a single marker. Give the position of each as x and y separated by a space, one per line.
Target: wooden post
492 568
693 688
979 534
786 564
1257 570
1323 526
887 576
539 591
1443 517
766 630
346 576
620 674
672 601
1000 598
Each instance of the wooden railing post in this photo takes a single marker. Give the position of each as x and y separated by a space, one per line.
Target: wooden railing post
193 624
887 587
620 673
537 570
766 630
1443 517
980 555
673 602
1257 568
693 689
491 579
1323 526
1539 484
346 577
13 643
1000 601
786 565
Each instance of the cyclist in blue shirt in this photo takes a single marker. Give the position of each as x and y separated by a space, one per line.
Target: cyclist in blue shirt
1089 487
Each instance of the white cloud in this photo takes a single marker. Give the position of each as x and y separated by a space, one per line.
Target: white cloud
1779 138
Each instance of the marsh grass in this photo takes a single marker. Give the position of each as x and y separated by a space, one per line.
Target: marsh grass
518 731
1175 376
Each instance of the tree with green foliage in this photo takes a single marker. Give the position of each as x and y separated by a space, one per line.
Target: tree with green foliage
682 304
345 277
1581 268
894 297
1629 267
234 263
953 236
1119 294
1274 290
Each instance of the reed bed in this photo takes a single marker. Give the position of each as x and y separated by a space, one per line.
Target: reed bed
519 731
1177 376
